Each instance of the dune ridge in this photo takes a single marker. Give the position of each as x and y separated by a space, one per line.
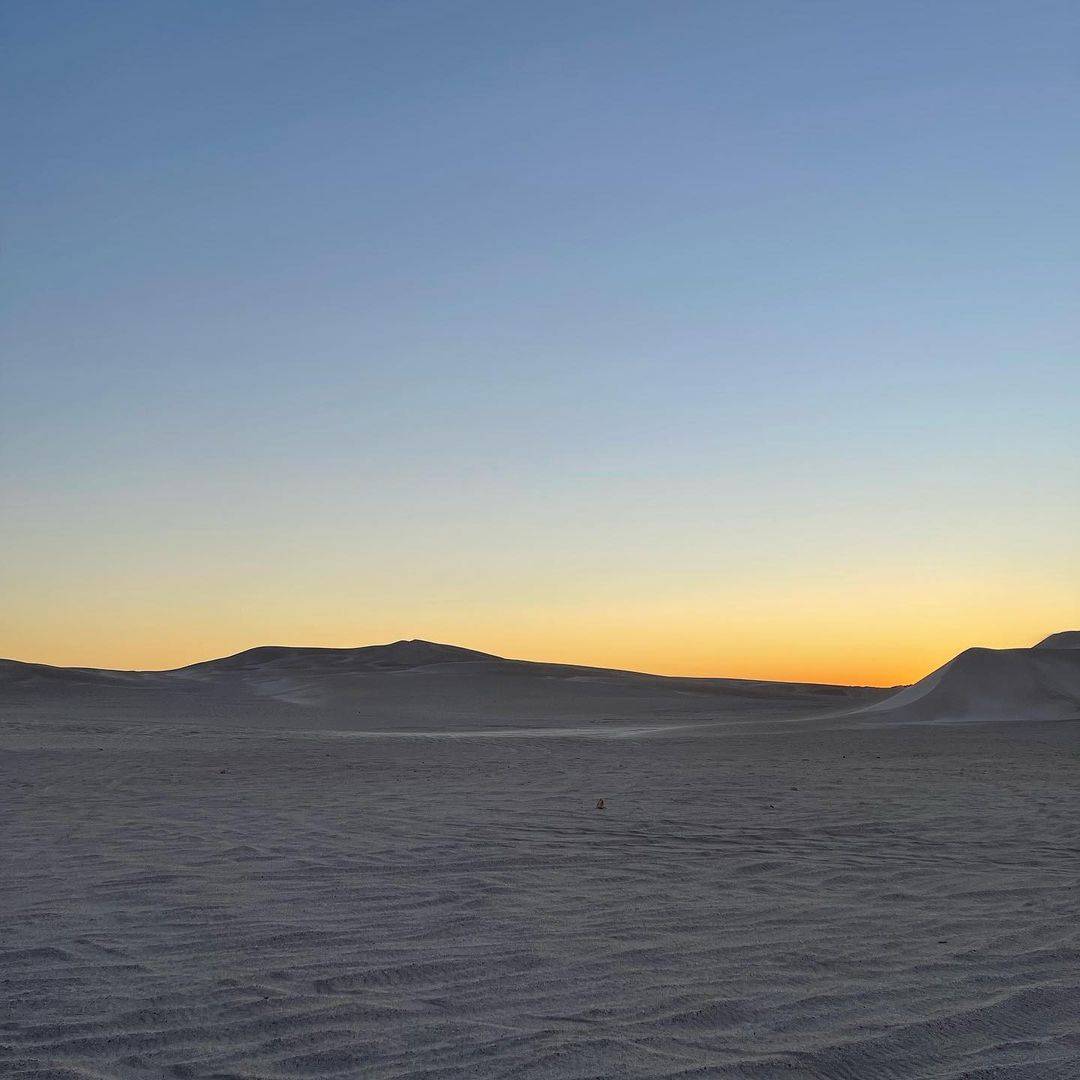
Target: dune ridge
417 683
405 684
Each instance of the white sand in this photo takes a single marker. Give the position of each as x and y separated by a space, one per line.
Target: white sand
1041 683
763 896
405 685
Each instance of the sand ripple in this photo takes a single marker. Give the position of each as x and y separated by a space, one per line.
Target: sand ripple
860 905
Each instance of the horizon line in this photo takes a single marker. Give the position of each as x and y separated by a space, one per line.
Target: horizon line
478 652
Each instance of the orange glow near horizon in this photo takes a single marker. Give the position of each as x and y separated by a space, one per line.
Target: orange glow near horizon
864 667
723 341
760 637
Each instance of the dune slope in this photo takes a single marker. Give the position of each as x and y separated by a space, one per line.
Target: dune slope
406 684
1040 683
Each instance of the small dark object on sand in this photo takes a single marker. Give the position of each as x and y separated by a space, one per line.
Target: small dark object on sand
599 804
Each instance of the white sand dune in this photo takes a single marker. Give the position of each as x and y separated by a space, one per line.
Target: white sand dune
1040 683
768 895
416 685
412 684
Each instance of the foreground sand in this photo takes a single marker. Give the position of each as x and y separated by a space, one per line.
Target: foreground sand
763 901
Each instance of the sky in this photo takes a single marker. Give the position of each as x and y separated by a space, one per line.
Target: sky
723 338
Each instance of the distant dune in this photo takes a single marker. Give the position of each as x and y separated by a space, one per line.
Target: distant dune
405 684
426 685
397 656
1067 639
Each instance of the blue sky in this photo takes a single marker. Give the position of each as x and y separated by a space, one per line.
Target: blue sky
590 330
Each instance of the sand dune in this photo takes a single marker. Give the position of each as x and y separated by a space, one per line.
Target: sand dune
1040 683
411 685
1067 639
397 656
387 862
406 684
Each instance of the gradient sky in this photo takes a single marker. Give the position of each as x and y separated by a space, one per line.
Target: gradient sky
724 337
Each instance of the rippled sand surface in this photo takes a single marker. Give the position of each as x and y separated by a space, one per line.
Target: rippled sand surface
759 902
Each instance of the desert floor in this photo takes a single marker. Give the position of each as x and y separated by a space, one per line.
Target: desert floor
762 900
